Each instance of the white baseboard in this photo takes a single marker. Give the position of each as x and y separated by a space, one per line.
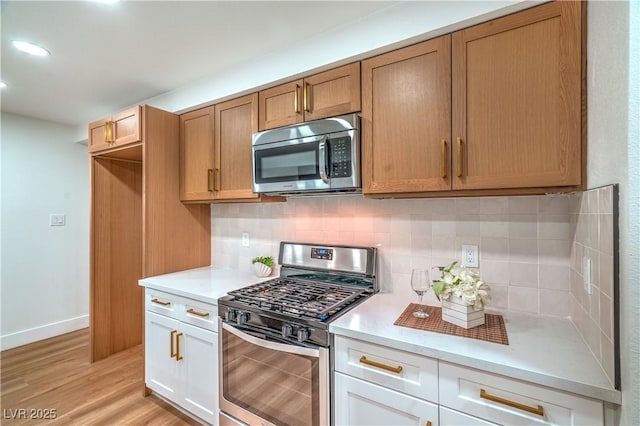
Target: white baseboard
31 335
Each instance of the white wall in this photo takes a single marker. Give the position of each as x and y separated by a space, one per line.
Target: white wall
613 158
45 270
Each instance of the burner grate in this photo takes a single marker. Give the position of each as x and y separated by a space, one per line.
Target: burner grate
298 297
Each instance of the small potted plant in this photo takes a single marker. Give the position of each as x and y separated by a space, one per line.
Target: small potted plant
262 265
463 295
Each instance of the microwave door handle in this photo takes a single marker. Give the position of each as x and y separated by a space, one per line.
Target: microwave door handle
322 161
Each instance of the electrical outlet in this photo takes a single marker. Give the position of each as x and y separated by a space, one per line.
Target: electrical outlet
470 256
245 239
586 273
56 220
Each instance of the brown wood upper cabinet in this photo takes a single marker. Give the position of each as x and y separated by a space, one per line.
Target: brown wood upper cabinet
513 123
322 95
196 155
117 131
215 151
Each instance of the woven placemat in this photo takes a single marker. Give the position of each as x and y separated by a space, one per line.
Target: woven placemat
493 329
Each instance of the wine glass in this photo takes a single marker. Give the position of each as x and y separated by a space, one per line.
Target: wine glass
420 284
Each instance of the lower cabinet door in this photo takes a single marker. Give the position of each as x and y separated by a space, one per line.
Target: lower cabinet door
199 352
363 403
455 418
162 372
181 364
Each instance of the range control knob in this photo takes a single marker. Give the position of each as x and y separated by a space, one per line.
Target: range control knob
303 334
242 317
230 315
287 330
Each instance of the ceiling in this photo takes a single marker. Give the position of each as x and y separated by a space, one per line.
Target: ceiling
105 57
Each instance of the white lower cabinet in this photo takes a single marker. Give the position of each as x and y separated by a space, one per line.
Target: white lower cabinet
379 385
360 403
181 363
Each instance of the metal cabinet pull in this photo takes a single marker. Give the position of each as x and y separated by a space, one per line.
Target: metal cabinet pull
216 180
443 158
160 302
210 180
296 108
305 98
364 360
174 353
539 410
459 157
178 356
198 313
108 132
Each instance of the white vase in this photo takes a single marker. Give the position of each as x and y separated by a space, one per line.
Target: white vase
261 269
456 311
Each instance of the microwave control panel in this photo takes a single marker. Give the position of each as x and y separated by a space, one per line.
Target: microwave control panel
340 149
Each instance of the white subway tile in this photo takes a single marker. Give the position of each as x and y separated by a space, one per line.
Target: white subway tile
493 205
554 277
523 205
553 227
523 250
523 274
523 226
553 204
523 299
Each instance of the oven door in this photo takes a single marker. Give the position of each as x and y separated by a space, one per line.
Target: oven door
267 382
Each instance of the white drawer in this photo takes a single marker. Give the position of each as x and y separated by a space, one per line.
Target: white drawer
455 418
508 401
161 303
200 314
187 310
360 403
405 372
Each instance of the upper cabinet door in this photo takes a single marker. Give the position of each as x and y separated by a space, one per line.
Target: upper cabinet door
406 119
517 100
196 155
236 121
122 129
331 93
326 94
281 105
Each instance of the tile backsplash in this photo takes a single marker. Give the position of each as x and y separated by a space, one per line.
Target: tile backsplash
592 220
524 243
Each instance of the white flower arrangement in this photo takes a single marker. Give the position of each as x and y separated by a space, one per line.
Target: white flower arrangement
463 283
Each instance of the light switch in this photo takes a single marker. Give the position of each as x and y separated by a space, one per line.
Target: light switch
57 220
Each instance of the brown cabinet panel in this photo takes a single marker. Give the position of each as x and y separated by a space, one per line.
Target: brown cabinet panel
235 122
281 105
406 125
139 228
517 100
326 94
332 93
117 131
196 155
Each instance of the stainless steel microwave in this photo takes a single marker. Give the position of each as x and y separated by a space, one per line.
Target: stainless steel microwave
321 156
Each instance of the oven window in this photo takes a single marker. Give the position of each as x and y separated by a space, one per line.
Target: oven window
280 387
287 163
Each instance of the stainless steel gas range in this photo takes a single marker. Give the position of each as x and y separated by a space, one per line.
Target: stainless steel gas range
275 345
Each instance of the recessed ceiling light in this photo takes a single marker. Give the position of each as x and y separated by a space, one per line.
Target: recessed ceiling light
2 84
30 48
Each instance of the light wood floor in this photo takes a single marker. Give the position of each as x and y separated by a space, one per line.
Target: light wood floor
56 374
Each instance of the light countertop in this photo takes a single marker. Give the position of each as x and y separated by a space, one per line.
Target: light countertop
205 284
543 350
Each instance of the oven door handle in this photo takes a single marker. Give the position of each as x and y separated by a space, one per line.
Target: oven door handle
322 159
271 345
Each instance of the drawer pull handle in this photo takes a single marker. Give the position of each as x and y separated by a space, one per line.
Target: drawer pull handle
459 157
174 353
443 159
198 313
160 302
364 360
539 410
